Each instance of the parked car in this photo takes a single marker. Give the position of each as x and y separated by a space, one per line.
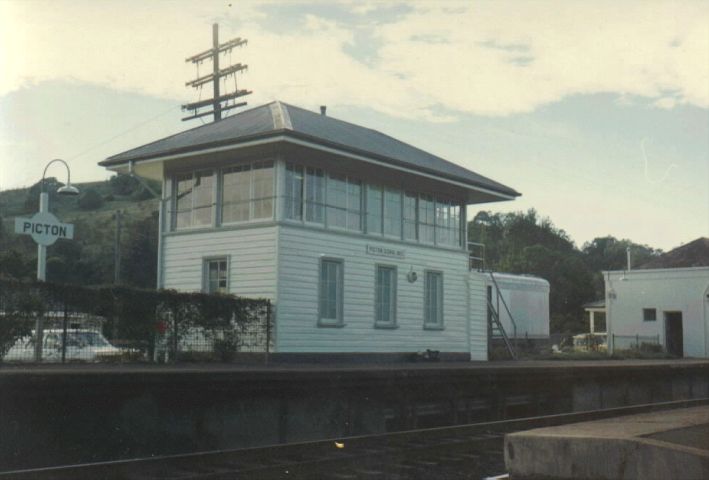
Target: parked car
81 345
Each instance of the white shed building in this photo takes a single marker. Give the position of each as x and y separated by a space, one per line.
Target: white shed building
670 305
358 239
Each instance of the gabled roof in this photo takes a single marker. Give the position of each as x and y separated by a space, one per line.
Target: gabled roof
280 119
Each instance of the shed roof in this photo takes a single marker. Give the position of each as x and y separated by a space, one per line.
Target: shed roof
280 119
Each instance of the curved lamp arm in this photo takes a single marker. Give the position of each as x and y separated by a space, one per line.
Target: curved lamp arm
68 188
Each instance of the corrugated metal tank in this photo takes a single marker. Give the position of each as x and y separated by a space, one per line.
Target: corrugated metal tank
527 298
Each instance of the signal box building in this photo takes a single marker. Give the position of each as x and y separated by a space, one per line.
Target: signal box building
358 239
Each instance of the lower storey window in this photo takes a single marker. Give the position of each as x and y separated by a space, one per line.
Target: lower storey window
216 275
331 291
433 300
385 296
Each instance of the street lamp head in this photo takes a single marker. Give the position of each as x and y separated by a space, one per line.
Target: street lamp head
68 190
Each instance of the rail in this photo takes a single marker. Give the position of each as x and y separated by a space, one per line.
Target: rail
465 451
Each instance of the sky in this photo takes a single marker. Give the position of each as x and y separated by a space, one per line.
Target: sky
597 112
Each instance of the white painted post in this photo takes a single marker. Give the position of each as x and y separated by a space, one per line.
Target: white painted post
592 321
41 276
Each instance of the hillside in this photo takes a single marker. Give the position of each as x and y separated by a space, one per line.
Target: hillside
89 258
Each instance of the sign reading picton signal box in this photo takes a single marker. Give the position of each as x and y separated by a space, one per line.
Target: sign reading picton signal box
44 227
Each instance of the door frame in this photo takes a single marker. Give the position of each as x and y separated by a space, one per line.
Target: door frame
666 325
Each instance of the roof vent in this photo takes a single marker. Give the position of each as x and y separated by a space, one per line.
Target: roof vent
323 109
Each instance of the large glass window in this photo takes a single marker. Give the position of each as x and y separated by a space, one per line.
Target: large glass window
385 296
392 212
443 233
194 199
216 275
236 194
427 221
375 199
433 300
294 192
262 196
247 192
331 291
337 201
410 230
315 195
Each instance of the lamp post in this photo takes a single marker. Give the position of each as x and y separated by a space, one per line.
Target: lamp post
67 190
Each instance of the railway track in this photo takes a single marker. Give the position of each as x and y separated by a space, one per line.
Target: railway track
472 451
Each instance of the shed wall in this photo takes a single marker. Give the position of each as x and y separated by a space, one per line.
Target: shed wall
670 290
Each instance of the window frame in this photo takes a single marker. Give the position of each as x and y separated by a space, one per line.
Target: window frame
252 168
439 324
206 261
393 296
214 206
339 305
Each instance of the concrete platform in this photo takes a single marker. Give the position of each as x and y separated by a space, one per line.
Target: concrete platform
660 445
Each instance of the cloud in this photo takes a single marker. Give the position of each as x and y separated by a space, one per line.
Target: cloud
485 58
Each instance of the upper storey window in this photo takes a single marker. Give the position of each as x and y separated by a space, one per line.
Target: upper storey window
193 199
247 192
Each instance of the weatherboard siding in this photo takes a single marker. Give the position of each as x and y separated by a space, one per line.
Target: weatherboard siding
477 316
300 251
251 253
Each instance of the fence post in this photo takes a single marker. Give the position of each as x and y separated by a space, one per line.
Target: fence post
268 330
637 341
174 335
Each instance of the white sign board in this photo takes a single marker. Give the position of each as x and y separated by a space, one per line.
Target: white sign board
44 227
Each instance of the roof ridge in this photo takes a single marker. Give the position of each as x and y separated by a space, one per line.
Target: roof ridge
280 115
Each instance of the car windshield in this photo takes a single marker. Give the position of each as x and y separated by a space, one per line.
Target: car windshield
92 339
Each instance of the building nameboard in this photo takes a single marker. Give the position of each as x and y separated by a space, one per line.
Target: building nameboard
385 251
44 227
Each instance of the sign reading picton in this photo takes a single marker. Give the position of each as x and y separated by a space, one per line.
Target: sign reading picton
385 251
44 227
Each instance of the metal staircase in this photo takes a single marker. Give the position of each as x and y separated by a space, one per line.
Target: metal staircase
494 328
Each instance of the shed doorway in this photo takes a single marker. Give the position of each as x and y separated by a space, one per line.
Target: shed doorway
674 342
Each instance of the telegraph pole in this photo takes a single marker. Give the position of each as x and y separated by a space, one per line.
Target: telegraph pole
216 102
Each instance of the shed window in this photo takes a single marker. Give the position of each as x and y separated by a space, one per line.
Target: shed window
433 300
193 199
216 275
331 292
385 296
649 314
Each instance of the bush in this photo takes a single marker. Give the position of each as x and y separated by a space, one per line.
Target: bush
90 200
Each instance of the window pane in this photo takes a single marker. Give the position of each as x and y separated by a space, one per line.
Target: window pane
410 216
183 200
202 200
236 192
315 193
330 290
337 201
354 204
442 223
433 299
263 190
385 295
216 276
426 219
392 212
294 192
374 209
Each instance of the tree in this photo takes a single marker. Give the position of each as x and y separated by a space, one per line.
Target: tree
90 200
140 259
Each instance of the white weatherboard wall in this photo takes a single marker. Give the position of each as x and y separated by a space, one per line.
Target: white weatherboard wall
527 298
251 253
300 251
667 290
477 316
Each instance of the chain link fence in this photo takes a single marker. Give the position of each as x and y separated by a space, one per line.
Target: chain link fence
51 323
